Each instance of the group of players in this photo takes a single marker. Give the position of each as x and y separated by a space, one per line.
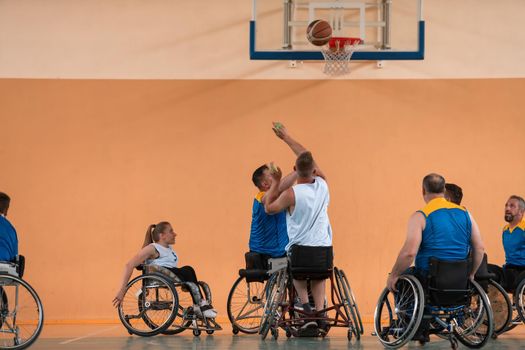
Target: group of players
292 211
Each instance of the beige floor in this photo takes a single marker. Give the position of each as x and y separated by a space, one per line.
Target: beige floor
114 336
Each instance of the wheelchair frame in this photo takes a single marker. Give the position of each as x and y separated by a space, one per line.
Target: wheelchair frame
168 295
280 312
461 322
25 329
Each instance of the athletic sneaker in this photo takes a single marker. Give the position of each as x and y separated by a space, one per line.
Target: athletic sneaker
205 311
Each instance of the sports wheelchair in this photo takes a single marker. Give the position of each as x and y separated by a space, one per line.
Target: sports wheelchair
280 310
450 306
21 312
247 296
157 301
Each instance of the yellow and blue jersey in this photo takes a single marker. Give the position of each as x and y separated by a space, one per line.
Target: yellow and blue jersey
268 233
8 240
447 233
514 244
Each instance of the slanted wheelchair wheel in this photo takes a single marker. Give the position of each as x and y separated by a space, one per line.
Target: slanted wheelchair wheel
184 311
245 305
519 300
149 305
475 325
349 303
21 313
501 306
398 315
276 294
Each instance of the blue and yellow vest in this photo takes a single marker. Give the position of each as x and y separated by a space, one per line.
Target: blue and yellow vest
446 235
8 240
514 244
268 232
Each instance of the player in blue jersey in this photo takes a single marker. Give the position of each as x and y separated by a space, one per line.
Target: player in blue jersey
441 229
8 237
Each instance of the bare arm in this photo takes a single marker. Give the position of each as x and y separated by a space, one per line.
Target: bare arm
287 181
280 130
478 249
416 225
276 201
145 253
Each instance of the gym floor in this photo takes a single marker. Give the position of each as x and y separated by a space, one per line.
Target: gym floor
114 336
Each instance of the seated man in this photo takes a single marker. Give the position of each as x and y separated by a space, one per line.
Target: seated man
513 238
8 237
306 205
441 229
268 234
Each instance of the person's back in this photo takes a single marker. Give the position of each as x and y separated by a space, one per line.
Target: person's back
8 237
309 224
447 233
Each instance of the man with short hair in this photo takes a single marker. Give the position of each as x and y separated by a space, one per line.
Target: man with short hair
453 193
513 237
268 233
306 205
8 237
441 229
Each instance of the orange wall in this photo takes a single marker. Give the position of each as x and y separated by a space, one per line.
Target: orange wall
90 163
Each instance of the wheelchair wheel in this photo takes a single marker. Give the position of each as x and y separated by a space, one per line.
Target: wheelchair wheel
276 294
149 305
181 322
519 300
398 315
475 325
501 307
21 313
245 305
349 303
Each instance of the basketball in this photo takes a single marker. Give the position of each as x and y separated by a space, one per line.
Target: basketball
319 32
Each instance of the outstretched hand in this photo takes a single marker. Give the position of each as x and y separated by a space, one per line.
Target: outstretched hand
279 129
118 298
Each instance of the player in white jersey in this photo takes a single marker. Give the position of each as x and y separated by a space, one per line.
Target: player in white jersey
306 204
157 250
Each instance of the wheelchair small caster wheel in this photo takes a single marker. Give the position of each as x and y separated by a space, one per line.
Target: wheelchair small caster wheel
196 332
209 331
275 333
454 343
349 335
494 336
235 330
130 333
288 334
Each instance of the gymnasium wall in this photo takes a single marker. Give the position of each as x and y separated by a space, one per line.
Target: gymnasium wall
89 164
115 114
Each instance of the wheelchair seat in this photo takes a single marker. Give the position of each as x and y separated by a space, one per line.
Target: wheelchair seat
14 268
314 263
448 282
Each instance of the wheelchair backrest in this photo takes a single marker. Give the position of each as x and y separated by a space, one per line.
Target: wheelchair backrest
311 262
448 282
256 261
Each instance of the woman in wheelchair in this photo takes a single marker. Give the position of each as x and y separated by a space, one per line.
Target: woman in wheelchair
157 252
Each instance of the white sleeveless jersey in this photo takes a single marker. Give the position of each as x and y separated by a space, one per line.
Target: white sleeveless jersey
167 256
309 224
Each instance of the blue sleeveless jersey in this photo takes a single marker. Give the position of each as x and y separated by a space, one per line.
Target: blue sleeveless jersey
8 240
268 232
514 244
446 235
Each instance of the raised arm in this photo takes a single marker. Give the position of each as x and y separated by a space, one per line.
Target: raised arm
478 249
145 253
416 225
280 130
276 201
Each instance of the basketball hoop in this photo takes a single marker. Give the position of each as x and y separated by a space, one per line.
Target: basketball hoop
337 55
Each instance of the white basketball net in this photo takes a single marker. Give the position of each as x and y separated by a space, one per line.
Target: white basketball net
337 59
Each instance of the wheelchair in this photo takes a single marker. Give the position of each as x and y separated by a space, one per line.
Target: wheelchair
450 306
21 311
247 296
158 302
280 310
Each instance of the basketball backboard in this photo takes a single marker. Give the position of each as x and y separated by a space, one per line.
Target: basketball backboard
390 29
